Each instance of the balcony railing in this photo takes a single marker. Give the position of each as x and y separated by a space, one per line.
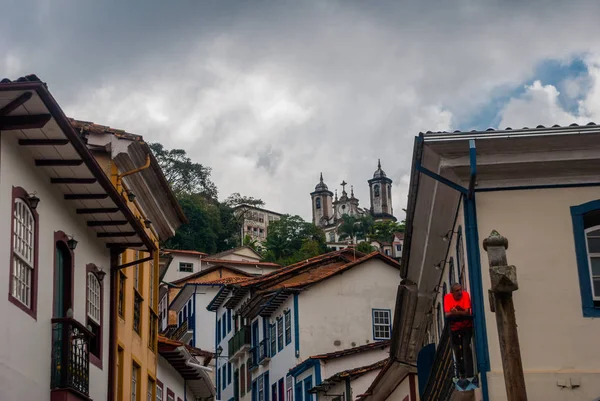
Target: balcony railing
70 356
181 330
253 360
440 385
239 341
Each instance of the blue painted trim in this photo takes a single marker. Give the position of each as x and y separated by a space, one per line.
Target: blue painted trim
308 384
280 343
211 306
583 267
476 287
373 322
269 301
217 359
439 178
287 316
304 366
473 167
296 326
547 186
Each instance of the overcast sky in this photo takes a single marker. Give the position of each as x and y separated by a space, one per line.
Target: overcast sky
271 93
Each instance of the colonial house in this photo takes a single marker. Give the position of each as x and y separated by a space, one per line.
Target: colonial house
187 262
53 195
344 374
272 323
134 172
539 188
255 221
183 373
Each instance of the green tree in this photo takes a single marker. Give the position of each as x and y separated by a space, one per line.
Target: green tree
383 231
184 176
365 247
254 244
354 227
291 239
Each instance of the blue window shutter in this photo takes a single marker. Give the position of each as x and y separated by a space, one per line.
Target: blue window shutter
228 373
298 392
218 331
307 386
274 392
266 385
228 320
254 391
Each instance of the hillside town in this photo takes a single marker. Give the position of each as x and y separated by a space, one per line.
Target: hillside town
100 310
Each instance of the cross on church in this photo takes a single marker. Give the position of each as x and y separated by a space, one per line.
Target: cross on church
343 184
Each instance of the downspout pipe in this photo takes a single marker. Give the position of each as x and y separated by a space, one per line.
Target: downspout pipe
112 324
348 390
135 170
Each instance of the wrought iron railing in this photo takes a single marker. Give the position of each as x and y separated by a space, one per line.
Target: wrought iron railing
239 339
181 330
440 386
253 360
70 355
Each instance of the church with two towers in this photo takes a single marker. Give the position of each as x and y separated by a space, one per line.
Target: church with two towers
328 209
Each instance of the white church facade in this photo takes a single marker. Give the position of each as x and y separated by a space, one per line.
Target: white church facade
328 209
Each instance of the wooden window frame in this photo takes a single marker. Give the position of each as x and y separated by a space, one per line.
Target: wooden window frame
31 310
93 270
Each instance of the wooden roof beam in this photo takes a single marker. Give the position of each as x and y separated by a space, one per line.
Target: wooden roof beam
43 142
73 180
102 223
15 104
9 123
58 162
85 196
117 234
98 210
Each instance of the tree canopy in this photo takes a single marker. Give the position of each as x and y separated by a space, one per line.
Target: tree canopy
291 239
354 227
383 231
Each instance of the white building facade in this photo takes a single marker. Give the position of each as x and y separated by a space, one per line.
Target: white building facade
276 322
56 343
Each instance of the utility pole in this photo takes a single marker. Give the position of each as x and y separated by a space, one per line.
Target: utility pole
503 284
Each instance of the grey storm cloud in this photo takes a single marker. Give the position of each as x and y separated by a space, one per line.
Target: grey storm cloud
271 93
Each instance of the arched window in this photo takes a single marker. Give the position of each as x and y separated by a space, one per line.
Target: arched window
376 190
451 276
94 310
318 203
23 252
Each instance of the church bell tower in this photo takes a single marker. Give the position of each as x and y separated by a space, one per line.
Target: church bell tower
322 209
381 195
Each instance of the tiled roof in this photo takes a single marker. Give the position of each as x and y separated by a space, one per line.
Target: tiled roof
357 372
103 129
400 235
185 252
352 351
240 262
224 280
196 277
555 127
193 350
26 78
388 363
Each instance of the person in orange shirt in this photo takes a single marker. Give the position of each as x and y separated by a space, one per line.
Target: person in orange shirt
457 307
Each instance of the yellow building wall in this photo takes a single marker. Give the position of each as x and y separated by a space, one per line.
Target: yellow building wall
133 347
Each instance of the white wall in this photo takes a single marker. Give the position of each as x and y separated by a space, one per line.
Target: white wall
403 390
340 308
173 272
366 358
205 319
25 351
170 379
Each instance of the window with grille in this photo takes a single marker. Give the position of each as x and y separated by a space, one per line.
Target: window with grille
137 311
150 389
23 253
593 249
261 388
153 328
94 313
159 393
381 324
186 267
273 340
163 312
121 304
288 327
135 379
289 388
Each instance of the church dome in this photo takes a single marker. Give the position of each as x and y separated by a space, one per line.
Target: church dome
321 186
379 173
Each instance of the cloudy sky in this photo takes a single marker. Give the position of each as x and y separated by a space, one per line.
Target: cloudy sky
271 93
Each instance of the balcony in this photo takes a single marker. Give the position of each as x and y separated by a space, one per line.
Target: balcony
263 352
184 332
439 384
70 359
239 343
253 360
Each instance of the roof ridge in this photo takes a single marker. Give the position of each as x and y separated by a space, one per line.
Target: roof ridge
353 350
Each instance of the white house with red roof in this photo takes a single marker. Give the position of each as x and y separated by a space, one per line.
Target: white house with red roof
273 323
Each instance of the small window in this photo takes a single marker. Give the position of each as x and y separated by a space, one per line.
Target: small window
280 333
376 191
289 388
186 267
137 311
382 324
288 327
163 313
121 306
261 389
150 389
332 237
273 339
136 277
135 382
94 314
398 248
159 391
318 203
